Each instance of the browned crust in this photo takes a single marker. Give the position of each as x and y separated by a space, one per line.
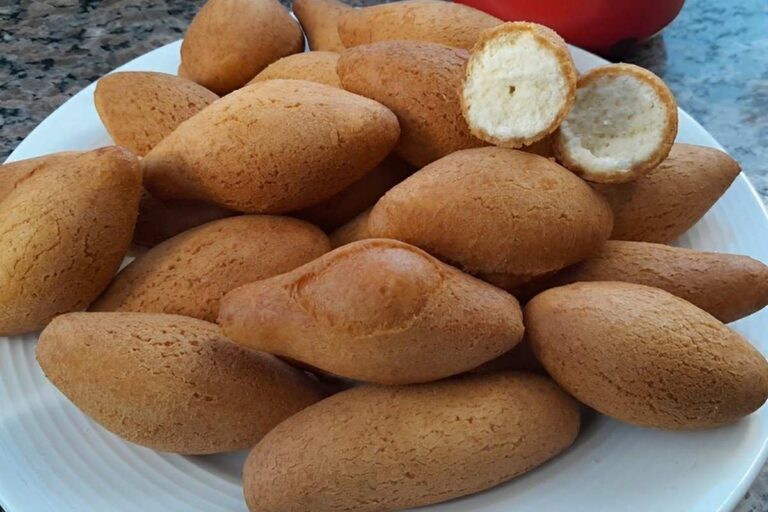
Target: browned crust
354 230
319 19
667 201
547 38
670 131
315 66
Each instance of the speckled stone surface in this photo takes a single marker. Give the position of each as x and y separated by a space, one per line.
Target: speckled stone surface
714 56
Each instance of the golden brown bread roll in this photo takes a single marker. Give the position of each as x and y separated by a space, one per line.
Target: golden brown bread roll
140 108
376 310
190 273
447 23
317 67
727 286
373 449
273 147
160 220
169 382
495 210
64 231
359 196
419 81
231 41
665 203
320 19
644 356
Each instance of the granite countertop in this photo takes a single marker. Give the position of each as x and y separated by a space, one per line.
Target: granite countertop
714 56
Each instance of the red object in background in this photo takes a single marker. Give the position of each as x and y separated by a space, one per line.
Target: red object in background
602 26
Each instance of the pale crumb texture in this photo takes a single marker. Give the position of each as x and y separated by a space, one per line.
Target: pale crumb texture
515 89
622 125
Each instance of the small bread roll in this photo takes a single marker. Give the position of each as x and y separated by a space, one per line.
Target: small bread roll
448 23
168 382
379 449
645 356
231 41
520 84
496 211
352 231
320 19
140 108
621 126
358 197
317 67
190 273
160 220
665 203
419 82
64 231
276 146
727 286
377 310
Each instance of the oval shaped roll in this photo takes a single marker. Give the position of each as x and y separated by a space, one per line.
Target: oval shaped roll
190 273
169 382
420 82
667 201
140 108
317 67
495 210
230 41
448 23
381 448
273 147
320 20
642 355
727 286
376 310
64 229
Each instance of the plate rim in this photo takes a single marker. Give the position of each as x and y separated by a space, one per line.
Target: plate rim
760 458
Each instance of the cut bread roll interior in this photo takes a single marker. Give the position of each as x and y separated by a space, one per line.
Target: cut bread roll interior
519 86
622 125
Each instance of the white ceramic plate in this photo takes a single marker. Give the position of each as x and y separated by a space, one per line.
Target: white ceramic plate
52 457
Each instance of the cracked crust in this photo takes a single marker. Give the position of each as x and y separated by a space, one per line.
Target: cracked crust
378 448
376 310
665 203
419 82
644 356
64 231
273 147
168 382
190 273
314 66
231 41
139 109
727 286
447 23
495 211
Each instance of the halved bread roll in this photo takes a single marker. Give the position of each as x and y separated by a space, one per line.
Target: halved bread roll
520 84
622 125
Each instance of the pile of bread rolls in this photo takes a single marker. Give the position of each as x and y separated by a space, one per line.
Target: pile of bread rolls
337 243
